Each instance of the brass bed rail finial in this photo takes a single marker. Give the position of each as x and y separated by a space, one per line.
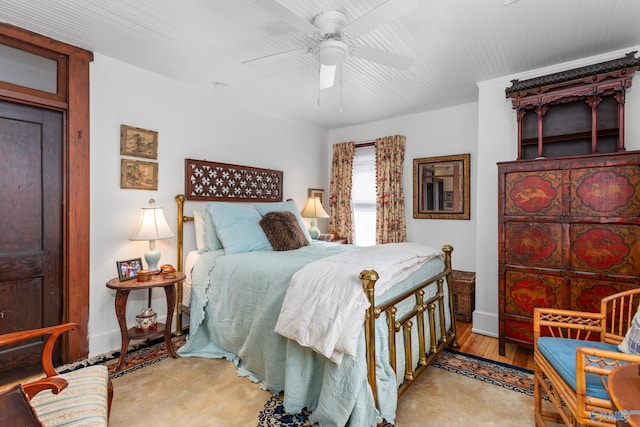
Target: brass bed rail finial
182 218
369 279
448 249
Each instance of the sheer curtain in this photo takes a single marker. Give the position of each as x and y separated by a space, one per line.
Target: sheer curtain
340 213
363 196
390 220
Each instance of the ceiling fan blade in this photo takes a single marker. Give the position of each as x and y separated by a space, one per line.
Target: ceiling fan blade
286 15
379 16
327 76
276 56
382 57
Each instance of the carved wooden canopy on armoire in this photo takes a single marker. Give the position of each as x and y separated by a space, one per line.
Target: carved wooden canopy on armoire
569 206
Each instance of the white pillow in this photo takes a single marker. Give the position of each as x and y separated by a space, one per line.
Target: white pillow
198 223
211 240
631 342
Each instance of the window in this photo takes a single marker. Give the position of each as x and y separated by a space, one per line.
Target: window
28 69
363 196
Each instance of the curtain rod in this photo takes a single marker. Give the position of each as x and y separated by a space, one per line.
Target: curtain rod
369 143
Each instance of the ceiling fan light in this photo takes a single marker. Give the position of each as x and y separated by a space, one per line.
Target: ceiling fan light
327 76
332 52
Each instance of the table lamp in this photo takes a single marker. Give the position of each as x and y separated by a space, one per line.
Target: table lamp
152 226
313 209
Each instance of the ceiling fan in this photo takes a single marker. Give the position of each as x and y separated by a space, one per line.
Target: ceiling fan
333 37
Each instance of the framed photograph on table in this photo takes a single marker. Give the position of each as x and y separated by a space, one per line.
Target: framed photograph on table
128 269
138 142
136 174
317 192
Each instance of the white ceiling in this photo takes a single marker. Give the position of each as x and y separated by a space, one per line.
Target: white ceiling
456 43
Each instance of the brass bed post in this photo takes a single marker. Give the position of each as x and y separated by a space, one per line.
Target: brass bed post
180 198
447 249
368 279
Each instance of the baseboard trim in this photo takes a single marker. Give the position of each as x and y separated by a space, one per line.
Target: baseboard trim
485 324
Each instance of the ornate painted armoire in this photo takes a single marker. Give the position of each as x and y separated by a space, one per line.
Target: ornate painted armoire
569 207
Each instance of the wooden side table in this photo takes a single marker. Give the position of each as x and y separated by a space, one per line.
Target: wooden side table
122 294
624 390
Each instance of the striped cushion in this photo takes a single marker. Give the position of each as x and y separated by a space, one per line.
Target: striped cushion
83 402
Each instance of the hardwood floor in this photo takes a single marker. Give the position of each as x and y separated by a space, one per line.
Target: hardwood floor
487 347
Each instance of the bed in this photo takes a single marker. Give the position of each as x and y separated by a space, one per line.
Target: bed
238 299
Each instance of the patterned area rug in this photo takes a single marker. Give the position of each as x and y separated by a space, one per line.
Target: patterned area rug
138 356
489 371
496 373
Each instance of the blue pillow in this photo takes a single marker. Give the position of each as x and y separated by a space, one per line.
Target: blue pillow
290 206
211 241
238 227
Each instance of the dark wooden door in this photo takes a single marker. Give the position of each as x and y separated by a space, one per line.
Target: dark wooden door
31 229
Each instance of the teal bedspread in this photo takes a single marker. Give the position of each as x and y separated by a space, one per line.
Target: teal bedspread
235 303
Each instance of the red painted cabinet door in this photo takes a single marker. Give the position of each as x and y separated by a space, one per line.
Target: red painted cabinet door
569 233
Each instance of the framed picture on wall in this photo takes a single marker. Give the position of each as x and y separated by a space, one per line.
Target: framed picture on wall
317 192
138 142
136 174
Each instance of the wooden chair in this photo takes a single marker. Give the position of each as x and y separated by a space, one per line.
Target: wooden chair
83 394
574 352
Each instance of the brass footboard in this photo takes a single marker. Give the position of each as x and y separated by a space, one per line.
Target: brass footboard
437 302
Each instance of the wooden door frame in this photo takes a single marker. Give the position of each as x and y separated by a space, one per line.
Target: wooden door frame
76 172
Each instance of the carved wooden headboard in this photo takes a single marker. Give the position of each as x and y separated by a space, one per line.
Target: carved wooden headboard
212 181
220 182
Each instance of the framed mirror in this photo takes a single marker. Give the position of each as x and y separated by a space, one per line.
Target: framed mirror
441 187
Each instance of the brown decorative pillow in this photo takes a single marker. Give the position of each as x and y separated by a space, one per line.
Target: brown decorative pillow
283 231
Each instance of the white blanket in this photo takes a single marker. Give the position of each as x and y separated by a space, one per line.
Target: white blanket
325 304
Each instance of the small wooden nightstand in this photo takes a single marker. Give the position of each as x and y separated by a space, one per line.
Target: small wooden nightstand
328 237
122 294
339 241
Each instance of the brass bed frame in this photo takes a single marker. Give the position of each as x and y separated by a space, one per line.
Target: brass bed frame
405 323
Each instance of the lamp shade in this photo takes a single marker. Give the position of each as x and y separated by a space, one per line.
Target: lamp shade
152 224
313 209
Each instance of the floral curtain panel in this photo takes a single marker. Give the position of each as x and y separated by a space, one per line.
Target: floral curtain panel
340 213
390 218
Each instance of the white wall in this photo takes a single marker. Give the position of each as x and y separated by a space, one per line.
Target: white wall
191 124
497 137
433 133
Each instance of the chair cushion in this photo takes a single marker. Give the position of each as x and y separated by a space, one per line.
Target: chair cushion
84 402
561 354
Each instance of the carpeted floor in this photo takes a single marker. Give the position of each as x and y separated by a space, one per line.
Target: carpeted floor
153 389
